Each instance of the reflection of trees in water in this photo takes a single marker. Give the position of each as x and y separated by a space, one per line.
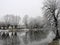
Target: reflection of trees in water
25 40
35 36
12 41
30 36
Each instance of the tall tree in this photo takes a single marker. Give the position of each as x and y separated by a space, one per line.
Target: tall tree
25 20
12 20
35 22
52 11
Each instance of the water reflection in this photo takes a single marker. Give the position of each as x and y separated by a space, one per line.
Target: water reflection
14 40
36 35
24 38
32 36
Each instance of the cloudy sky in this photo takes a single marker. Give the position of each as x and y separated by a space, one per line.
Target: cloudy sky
20 7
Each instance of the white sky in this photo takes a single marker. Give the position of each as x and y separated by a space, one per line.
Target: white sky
21 7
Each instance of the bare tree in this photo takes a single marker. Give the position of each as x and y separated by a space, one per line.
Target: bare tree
51 11
12 20
25 20
35 23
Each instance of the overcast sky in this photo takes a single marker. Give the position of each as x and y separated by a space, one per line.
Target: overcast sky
21 7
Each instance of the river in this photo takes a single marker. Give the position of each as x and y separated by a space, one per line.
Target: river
29 39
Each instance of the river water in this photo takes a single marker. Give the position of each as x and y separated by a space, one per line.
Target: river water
29 38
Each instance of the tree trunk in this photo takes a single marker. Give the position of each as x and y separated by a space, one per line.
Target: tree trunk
56 26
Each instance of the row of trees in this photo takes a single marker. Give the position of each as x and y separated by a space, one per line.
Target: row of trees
33 22
29 22
11 19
